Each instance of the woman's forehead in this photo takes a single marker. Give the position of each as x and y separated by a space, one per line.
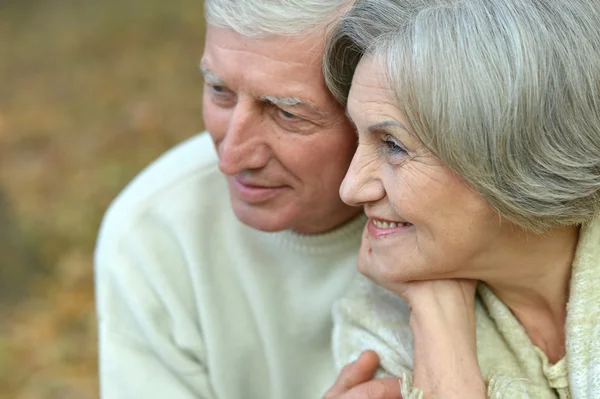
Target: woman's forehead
370 91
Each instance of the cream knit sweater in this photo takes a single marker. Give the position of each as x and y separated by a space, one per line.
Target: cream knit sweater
192 304
369 317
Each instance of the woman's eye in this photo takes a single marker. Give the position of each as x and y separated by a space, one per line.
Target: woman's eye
392 147
217 89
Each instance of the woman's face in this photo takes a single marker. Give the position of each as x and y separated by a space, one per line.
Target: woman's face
425 222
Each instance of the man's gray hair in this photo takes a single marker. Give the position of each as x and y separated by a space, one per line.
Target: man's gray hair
256 18
505 92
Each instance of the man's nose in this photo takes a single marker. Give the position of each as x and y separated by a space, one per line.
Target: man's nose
362 184
245 143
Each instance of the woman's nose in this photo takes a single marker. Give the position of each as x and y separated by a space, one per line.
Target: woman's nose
362 184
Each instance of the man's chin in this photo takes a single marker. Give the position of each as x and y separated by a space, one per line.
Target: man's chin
260 219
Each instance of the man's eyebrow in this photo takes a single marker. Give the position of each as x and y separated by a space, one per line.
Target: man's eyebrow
210 75
283 100
291 101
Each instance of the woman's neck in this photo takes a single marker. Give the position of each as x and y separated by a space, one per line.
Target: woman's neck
534 284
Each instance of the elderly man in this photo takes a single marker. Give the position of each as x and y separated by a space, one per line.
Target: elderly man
201 297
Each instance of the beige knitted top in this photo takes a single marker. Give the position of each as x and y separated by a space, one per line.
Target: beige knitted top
369 317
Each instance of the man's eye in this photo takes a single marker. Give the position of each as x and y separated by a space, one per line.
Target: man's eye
220 95
290 121
287 115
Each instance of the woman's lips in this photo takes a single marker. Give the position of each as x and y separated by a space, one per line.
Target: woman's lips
254 194
379 228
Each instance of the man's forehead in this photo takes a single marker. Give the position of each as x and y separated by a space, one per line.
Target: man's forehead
304 49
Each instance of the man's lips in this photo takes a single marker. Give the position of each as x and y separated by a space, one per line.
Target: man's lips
253 192
255 185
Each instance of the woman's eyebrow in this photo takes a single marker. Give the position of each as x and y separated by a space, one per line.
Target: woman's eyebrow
385 124
378 126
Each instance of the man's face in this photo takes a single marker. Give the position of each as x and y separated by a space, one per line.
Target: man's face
283 142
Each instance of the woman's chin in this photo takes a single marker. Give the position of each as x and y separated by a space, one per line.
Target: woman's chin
382 265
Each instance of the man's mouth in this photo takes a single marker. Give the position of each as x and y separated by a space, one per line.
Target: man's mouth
251 192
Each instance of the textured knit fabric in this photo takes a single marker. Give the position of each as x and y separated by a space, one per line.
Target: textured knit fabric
194 304
369 317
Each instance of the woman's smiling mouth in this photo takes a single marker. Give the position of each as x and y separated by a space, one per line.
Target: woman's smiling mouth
379 228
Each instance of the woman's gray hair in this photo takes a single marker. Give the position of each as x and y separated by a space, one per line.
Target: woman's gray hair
505 92
257 18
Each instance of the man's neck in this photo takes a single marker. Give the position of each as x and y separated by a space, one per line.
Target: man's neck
334 221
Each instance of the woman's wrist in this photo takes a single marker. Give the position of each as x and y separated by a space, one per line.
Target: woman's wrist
443 325
444 330
435 309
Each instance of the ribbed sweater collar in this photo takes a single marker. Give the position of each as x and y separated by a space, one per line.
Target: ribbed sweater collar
342 238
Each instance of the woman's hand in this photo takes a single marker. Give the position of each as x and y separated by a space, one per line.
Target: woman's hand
443 326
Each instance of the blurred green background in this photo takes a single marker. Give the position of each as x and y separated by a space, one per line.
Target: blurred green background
90 92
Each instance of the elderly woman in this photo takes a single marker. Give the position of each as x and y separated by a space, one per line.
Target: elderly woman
478 166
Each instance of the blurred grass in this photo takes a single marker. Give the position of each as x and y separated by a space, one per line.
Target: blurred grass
90 92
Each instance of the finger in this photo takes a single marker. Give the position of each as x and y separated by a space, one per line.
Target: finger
353 374
381 388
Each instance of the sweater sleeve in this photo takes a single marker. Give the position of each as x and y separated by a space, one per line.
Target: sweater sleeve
497 388
151 344
370 317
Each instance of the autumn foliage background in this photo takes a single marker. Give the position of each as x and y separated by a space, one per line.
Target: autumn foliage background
90 93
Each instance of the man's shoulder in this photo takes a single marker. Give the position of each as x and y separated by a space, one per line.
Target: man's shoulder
185 175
